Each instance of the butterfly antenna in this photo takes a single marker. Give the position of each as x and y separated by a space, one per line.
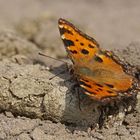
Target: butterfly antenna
57 74
52 58
56 60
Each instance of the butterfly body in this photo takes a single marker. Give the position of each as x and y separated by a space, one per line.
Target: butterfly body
97 72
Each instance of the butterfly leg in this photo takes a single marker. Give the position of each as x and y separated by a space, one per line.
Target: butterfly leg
79 100
101 117
77 90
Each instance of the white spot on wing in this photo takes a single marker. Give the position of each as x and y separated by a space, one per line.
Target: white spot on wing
61 26
87 93
63 36
82 86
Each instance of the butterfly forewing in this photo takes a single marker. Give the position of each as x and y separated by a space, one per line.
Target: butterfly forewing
79 45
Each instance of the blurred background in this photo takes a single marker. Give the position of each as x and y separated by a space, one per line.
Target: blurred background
114 24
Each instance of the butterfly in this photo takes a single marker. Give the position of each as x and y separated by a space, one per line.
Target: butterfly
97 71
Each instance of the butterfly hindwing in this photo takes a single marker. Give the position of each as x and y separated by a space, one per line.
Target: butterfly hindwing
96 90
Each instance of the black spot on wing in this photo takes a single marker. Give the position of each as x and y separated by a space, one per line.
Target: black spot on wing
97 90
68 42
63 21
109 91
84 51
109 85
98 59
82 44
63 31
94 93
99 85
84 84
100 89
73 51
86 90
91 46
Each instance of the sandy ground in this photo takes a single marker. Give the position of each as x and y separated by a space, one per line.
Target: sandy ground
115 25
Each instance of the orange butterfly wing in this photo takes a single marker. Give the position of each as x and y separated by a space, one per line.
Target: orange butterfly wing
98 73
